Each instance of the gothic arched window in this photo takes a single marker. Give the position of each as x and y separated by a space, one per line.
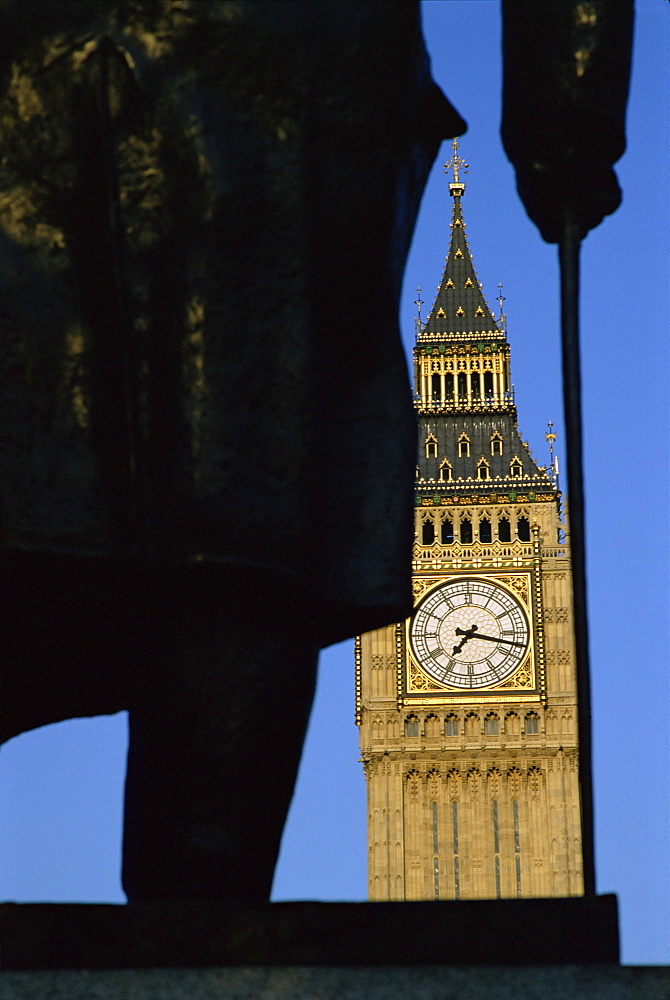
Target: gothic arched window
466 531
532 724
464 446
427 532
411 726
504 534
496 444
451 725
523 529
447 531
484 530
431 446
491 724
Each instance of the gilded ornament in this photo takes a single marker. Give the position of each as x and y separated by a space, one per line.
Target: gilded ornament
522 679
518 583
419 586
418 681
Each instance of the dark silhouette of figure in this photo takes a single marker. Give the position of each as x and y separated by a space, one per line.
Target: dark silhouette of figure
206 427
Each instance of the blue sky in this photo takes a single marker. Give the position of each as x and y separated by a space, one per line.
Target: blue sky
62 785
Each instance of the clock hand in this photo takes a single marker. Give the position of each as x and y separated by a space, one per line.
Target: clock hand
491 638
468 634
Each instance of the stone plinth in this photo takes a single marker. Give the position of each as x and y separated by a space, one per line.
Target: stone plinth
549 949
576 931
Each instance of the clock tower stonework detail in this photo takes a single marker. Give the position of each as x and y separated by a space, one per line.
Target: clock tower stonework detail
468 711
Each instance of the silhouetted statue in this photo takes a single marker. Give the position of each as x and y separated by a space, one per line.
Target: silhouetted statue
207 441
565 89
207 431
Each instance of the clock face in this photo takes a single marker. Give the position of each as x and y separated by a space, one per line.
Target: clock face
469 633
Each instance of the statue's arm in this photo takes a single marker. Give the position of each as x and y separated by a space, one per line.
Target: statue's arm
565 87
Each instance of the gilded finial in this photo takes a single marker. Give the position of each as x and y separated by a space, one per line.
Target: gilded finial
550 436
456 163
418 303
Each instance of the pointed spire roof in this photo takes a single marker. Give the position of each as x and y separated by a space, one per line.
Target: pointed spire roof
460 310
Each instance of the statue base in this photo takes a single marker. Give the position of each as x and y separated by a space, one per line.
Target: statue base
574 931
557 949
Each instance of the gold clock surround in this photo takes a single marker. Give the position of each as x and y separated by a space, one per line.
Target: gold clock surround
417 683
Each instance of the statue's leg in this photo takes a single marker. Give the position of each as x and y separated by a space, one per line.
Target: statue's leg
213 756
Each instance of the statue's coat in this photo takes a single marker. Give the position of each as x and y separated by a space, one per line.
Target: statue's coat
205 210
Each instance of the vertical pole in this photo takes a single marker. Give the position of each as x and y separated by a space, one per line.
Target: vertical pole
569 263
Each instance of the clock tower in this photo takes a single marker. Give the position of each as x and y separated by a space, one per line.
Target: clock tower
468 711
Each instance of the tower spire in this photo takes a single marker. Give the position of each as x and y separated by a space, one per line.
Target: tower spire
460 310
